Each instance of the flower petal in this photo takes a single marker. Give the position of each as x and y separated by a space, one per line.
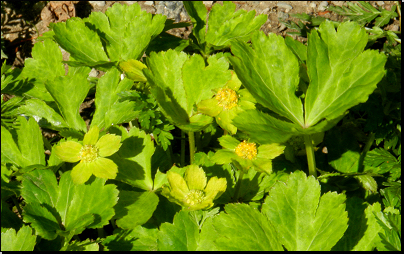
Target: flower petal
92 136
209 107
108 145
215 188
195 177
81 173
68 151
178 185
104 168
223 156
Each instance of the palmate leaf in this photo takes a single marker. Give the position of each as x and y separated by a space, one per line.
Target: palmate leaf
65 209
23 240
179 82
182 235
270 72
225 25
139 238
126 30
341 76
80 41
109 110
134 158
69 92
27 149
240 228
303 219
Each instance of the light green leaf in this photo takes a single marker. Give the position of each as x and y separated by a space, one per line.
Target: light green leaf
9 150
363 229
23 240
270 72
86 245
172 75
47 116
81 42
76 207
134 158
198 14
30 141
303 219
240 228
134 208
108 87
46 62
225 25
341 74
139 238
182 235
126 30
69 93
133 69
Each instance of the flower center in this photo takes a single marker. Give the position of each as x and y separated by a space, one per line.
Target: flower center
194 197
246 150
88 153
227 98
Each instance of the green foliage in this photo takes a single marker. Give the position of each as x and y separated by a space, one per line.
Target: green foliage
92 163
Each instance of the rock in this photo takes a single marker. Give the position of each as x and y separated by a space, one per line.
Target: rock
323 6
380 3
282 15
285 6
338 3
313 5
97 3
150 3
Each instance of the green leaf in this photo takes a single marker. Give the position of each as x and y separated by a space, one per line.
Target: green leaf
341 74
137 239
133 69
134 158
381 159
172 75
298 48
225 25
303 219
47 116
49 205
240 228
126 30
363 229
82 43
69 93
182 235
386 16
9 150
23 240
270 72
30 141
198 14
46 62
107 99
134 208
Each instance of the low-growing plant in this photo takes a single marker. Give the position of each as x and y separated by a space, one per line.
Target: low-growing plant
288 145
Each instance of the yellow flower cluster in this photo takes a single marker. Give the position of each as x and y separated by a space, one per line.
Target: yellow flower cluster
246 150
227 98
88 153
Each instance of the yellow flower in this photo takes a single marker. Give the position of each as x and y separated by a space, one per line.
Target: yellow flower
191 191
227 98
246 150
91 155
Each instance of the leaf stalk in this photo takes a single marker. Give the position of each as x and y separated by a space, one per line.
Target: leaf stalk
311 161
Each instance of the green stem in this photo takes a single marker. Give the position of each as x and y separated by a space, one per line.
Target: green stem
15 201
191 137
238 185
182 148
311 161
368 144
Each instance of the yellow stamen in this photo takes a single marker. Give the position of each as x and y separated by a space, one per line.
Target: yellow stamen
88 153
227 98
194 197
246 150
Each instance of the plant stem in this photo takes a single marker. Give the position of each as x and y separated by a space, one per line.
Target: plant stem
311 161
191 137
238 185
368 144
17 205
182 148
